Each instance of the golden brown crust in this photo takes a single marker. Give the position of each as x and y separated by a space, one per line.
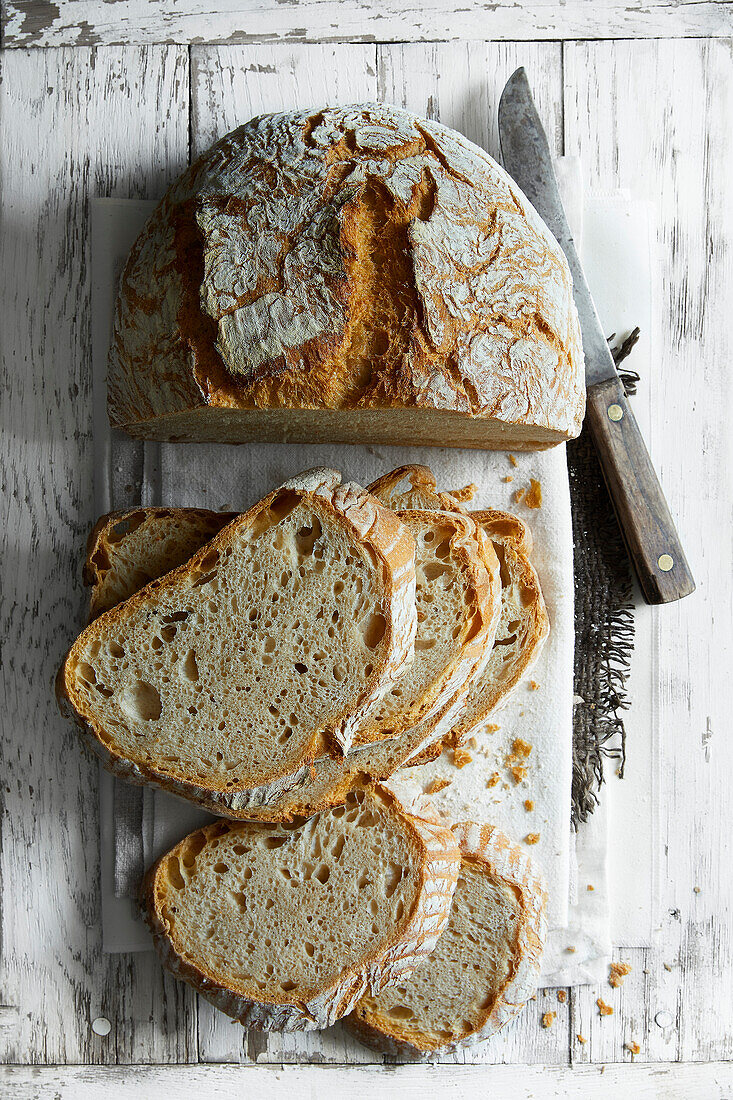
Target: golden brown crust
410 942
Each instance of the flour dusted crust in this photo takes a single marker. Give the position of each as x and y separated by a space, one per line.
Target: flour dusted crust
434 853
489 851
392 550
354 260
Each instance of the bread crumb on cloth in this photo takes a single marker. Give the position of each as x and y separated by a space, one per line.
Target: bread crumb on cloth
513 460
461 758
528 805
436 785
532 838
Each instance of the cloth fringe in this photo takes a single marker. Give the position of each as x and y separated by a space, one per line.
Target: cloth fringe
604 618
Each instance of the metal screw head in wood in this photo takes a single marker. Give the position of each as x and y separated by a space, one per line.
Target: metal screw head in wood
615 412
665 562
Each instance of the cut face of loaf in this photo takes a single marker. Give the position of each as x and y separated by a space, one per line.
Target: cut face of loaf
486 964
225 678
523 624
286 926
357 274
458 604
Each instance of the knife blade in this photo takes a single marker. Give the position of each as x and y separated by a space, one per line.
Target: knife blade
644 517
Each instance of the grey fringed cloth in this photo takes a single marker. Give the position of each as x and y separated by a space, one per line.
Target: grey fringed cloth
604 616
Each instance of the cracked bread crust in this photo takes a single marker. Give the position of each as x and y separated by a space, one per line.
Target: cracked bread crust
389 554
388 1024
433 864
357 259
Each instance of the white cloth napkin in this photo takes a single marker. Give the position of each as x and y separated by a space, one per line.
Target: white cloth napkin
542 717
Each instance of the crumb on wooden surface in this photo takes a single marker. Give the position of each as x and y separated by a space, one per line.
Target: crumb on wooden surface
667 967
571 950
616 974
590 887
581 1038
436 785
493 779
528 805
461 758
696 889
632 1047
533 685
603 1008
532 838
513 460
548 1019
562 996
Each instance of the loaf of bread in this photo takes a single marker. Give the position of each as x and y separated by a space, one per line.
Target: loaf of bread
486 964
286 926
353 274
222 680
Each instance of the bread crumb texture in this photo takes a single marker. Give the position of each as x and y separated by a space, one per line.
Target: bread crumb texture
562 996
532 838
632 1047
461 758
581 1038
355 258
548 1019
616 974
603 1008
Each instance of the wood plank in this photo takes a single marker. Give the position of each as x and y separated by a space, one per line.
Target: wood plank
459 84
229 85
76 123
643 1082
86 22
657 118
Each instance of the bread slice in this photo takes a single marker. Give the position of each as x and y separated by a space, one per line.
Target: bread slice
222 680
458 605
524 623
486 964
286 926
127 550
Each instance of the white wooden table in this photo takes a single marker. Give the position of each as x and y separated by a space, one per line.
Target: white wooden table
123 96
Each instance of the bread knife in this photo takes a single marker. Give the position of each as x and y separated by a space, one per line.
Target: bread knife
642 512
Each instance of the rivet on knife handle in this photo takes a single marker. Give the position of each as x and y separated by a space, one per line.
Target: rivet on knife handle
643 515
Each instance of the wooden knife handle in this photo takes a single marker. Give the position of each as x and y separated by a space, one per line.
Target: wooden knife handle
641 510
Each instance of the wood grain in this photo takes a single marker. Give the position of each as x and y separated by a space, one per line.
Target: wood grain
76 123
668 1081
677 151
88 23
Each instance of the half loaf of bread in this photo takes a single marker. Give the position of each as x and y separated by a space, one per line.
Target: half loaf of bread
287 926
225 678
486 964
353 273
